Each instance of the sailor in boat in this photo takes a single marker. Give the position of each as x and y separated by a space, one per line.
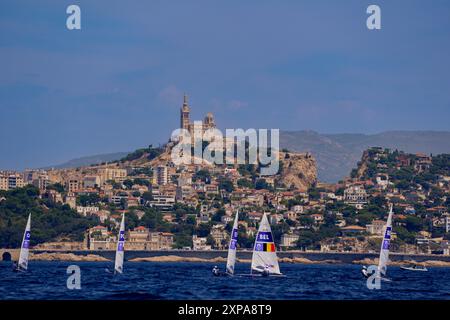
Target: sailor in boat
364 272
266 271
119 270
216 271
17 267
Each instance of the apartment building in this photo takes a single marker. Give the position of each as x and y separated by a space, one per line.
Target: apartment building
114 174
161 175
11 180
356 196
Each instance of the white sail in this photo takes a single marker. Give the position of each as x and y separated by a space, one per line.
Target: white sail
231 260
264 252
384 251
118 265
24 249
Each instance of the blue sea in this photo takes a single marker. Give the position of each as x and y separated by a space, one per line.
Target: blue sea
154 280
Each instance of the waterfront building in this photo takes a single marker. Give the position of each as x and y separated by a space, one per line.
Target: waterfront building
289 240
138 239
219 236
141 238
165 241
200 243
100 239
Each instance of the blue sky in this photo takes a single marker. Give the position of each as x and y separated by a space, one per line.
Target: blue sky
117 84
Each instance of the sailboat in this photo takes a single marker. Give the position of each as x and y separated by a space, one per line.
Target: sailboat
118 265
24 248
384 250
231 259
264 259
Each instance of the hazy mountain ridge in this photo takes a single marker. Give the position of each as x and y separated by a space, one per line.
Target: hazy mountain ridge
86 161
337 154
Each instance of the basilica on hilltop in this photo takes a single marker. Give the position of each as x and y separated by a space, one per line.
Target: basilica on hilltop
208 121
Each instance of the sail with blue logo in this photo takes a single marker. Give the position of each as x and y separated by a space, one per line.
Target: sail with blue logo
384 251
25 248
118 265
264 252
231 260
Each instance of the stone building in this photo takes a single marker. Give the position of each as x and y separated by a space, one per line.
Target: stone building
185 122
356 196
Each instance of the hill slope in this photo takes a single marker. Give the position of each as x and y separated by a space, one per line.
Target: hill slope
86 161
337 154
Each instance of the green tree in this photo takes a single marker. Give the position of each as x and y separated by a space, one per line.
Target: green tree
218 215
245 183
49 223
226 184
147 196
414 224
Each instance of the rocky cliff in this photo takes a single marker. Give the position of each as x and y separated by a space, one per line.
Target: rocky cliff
298 170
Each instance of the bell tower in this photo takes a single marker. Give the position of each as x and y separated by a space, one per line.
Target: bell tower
184 114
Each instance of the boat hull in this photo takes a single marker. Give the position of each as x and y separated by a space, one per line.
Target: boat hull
414 269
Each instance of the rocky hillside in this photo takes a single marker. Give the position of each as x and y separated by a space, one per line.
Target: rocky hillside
298 170
337 154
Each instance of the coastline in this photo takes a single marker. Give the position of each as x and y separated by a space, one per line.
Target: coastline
428 261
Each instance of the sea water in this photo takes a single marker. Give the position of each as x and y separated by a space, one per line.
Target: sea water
162 280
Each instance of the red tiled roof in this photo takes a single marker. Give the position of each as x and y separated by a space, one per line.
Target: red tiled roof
353 228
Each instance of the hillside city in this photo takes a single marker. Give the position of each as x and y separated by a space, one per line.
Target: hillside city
192 207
